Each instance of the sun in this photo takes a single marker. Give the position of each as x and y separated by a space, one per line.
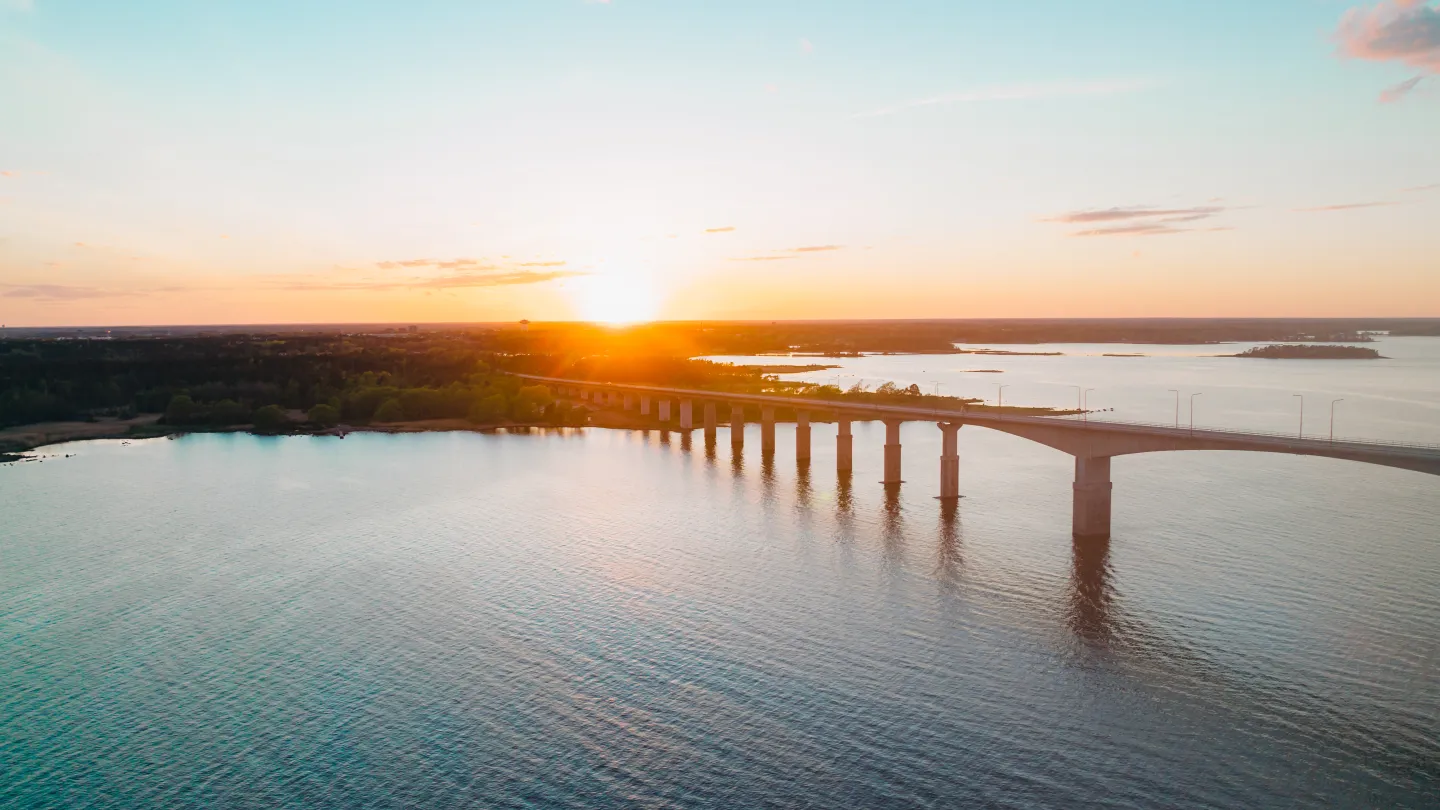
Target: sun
616 297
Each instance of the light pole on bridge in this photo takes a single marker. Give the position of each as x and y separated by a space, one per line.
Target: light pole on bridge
1192 409
1084 404
1000 400
1332 419
1301 434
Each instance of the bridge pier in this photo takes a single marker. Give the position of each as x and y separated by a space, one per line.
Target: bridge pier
767 430
644 404
629 400
687 414
844 445
664 410
802 435
1093 491
892 451
710 422
950 460
737 424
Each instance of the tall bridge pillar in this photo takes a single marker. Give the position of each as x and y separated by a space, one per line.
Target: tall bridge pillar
644 404
950 460
767 430
844 445
709 422
737 424
1091 517
629 400
802 435
892 451
687 414
664 410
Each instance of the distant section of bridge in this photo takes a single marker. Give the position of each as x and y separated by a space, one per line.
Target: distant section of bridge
1092 442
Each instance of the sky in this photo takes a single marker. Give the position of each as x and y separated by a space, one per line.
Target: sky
308 161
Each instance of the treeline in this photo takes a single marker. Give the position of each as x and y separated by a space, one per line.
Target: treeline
244 379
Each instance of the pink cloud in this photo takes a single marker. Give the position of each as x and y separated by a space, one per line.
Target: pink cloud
1405 31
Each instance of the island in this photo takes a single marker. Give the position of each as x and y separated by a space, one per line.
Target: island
1285 351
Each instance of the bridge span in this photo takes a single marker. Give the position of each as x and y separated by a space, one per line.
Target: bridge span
1093 443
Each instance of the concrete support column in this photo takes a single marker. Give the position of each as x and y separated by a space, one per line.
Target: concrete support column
644 404
767 430
613 398
687 414
892 451
844 445
1093 490
710 422
950 460
802 435
737 424
629 400
584 395
664 410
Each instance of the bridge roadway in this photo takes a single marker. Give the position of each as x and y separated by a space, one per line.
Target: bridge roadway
1092 442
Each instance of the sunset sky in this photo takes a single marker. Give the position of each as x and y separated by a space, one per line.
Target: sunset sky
267 161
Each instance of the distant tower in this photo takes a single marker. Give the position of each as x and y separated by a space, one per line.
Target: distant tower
525 324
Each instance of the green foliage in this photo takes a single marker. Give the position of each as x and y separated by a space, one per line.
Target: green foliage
530 403
228 412
390 411
271 419
489 410
324 415
180 410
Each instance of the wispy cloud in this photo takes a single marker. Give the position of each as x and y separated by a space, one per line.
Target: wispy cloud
763 258
1394 93
789 253
1136 212
447 282
726 229
1138 220
439 264
806 46
59 292
1403 31
814 249
542 264
1428 187
1021 92
1344 206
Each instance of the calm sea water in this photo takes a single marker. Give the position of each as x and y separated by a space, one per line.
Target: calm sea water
611 619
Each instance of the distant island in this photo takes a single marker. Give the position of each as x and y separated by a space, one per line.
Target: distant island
1326 352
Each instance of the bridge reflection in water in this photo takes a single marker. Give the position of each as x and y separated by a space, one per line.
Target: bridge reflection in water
1092 443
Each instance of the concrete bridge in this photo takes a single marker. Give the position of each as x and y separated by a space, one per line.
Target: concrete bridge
1093 443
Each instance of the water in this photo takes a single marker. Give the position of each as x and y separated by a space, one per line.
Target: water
610 619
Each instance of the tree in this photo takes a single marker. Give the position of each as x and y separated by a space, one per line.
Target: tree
530 402
227 412
887 389
326 416
488 410
271 419
180 410
390 411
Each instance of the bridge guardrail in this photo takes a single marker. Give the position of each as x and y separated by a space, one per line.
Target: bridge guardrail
943 415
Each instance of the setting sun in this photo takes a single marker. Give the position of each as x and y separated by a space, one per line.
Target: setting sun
615 297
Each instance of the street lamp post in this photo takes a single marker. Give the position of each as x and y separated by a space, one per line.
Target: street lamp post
1301 434
1192 409
1079 398
1085 403
1177 407
1332 418
1000 400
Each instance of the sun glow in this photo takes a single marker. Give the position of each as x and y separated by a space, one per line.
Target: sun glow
616 297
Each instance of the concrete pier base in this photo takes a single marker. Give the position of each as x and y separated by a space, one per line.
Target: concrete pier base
950 460
710 422
629 401
644 405
767 430
687 414
802 435
664 410
892 451
737 425
844 445
1093 491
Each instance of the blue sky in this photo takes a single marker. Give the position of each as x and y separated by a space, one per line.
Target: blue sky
253 161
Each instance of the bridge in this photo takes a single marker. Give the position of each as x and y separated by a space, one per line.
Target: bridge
1093 443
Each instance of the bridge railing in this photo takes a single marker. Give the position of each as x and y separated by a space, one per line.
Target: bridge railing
944 415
